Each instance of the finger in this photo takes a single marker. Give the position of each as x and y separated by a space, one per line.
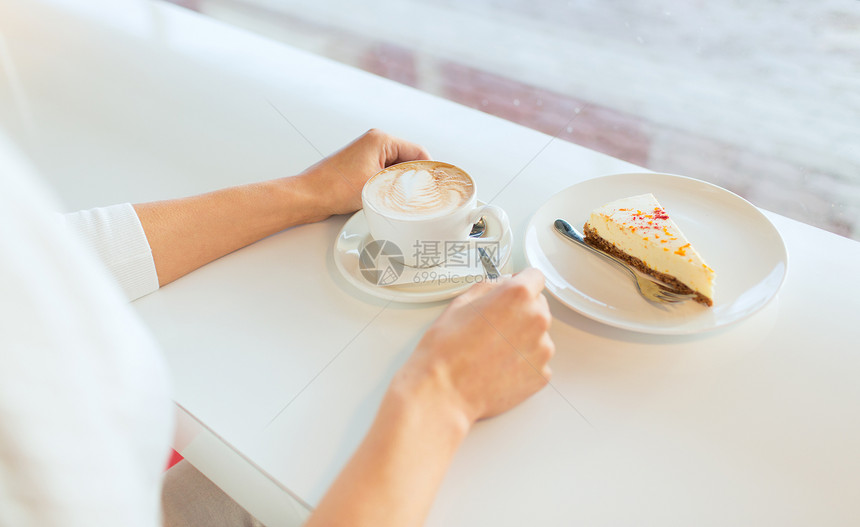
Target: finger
402 151
544 315
543 303
546 348
546 373
478 290
532 278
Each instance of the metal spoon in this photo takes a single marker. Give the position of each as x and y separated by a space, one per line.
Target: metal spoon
478 229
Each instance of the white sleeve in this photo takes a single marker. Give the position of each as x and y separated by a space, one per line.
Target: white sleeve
117 237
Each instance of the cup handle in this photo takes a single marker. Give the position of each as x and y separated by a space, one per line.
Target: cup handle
497 221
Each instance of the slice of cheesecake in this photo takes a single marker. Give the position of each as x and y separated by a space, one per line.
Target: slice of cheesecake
639 231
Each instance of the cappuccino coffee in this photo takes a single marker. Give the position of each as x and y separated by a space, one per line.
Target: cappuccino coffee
419 190
426 208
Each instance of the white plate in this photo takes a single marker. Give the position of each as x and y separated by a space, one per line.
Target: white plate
354 236
733 236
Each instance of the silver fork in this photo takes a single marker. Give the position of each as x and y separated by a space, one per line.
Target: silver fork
651 290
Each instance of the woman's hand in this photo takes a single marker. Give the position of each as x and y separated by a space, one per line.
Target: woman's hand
488 351
335 183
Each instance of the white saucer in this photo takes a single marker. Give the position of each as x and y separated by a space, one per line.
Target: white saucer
735 238
355 235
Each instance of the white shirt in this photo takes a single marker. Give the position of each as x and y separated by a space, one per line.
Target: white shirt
85 412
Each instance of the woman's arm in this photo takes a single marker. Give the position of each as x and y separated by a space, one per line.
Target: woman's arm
487 353
187 233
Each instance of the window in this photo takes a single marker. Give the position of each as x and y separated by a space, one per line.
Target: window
762 98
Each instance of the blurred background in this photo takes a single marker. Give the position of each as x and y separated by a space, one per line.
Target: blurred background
762 98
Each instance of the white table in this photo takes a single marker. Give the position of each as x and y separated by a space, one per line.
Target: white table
279 363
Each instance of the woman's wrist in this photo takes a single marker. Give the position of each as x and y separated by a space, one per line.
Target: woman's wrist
299 200
430 397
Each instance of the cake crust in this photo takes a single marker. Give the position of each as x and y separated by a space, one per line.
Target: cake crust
596 241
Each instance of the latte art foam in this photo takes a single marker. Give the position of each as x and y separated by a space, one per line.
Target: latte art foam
419 190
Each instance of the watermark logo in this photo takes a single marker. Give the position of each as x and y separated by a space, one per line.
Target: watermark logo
454 254
381 262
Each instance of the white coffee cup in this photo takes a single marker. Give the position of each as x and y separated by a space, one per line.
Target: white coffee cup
426 208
